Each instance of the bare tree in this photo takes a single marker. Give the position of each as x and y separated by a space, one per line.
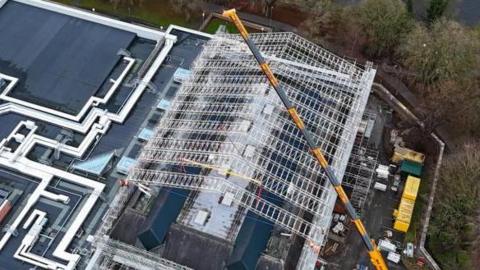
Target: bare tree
187 7
325 20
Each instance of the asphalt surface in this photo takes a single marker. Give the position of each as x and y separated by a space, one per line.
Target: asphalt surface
378 209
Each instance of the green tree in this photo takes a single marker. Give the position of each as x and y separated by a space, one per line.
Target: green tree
385 22
445 61
452 235
410 6
447 51
436 9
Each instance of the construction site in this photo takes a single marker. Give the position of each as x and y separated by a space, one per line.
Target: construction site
177 149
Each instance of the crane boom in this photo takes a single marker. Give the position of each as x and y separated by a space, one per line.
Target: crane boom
375 255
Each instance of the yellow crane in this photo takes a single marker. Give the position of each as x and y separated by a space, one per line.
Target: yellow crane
375 255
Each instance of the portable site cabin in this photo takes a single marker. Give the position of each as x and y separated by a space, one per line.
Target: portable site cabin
402 153
409 167
393 257
386 245
383 171
403 215
380 186
411 188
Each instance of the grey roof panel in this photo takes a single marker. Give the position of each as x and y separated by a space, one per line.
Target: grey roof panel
61 61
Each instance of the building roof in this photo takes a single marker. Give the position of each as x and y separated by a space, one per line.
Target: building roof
50 52
167 207
220 111
195 249
95 165
62 57
250 244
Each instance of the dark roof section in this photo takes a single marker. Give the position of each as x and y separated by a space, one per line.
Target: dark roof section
61 61
251 242
127 226
167 207
196 249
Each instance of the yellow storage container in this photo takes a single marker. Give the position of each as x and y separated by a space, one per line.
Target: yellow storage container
402 153
411 188
401 226
403 215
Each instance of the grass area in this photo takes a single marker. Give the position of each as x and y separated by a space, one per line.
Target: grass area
156 13
66 2
151 12
215 23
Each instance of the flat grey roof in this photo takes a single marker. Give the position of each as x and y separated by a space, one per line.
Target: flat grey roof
61 61
195 249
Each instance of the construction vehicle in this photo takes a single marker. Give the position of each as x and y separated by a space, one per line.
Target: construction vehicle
375 255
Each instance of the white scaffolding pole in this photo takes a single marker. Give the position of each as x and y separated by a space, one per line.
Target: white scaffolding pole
111 252
244 198
118 253
226 117
226 132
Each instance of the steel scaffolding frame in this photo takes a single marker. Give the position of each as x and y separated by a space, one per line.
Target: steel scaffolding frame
113 254
361 166
250 200
226 130
125 256
359 175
